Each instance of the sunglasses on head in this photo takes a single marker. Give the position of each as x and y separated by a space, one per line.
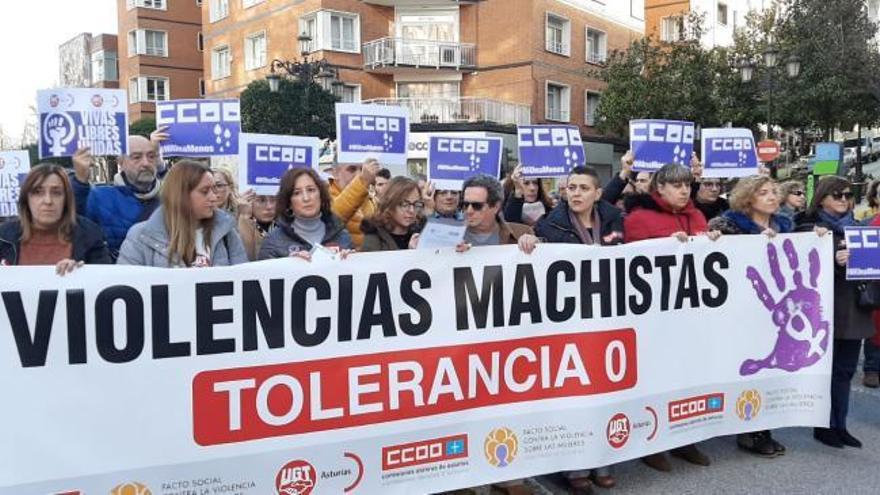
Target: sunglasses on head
476 205
842 194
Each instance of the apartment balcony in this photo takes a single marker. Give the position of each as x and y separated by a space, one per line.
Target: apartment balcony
460 110
388 55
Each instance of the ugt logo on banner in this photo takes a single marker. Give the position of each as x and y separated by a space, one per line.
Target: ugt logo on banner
864 253
264 158
729 153
71 119
14 167
371 131
200 127
655 143
549 150
452 159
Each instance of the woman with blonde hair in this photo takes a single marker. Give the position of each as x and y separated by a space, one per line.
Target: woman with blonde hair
227 191
48 231
188 230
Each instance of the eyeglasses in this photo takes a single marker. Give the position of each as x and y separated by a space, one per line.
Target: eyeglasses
220 185
476 205
797 193
842 194
406 205
711 185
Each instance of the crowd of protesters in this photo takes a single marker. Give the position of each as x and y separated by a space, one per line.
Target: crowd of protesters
188 215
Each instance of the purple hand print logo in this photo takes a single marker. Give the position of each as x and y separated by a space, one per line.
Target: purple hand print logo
803 333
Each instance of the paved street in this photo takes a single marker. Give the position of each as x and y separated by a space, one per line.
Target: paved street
808 468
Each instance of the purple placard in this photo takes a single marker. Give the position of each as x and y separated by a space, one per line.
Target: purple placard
453 159
371 131
655 143
549 150
728 152
264 158
199 127
864 253
74 118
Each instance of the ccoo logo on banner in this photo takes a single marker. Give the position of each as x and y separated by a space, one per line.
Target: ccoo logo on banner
655 143
14 167
549 150
452 160
371 131
728 153
71 119
264 159
200 127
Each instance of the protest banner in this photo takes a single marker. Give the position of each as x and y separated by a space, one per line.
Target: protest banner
655 143
406 372
372 131
264 158
199 127
74 118
549 150
728 153
453 159
864 253
14 167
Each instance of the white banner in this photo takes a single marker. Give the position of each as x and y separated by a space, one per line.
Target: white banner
405 372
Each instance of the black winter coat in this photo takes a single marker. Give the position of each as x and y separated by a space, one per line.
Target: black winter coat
850 322
89 245
556 226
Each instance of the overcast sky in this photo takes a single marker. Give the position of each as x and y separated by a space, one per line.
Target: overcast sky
30 32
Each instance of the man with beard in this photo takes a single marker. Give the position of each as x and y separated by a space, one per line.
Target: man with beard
133 196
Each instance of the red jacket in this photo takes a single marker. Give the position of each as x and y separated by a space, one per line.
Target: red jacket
649 217
876 338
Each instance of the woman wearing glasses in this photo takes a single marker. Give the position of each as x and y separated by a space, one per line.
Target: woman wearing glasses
304 218
793 198
831 209
397 219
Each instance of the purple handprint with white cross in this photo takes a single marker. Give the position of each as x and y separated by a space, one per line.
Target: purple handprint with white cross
803 334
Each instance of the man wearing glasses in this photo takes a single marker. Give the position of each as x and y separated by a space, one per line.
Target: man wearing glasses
350 190
483 195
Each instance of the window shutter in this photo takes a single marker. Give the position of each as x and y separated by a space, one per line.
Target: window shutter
141 41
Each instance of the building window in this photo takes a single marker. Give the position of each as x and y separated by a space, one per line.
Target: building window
221 63
591 103
344 32
148 89
558 35
351 93
218 9
147 42
308 25
202 87
200 42
104 66
246 4
672 28
558 102
722 14
597 46
147 4
255 51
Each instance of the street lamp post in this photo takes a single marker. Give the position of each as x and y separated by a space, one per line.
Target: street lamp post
305 70
770 58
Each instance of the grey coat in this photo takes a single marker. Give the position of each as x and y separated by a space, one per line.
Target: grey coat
146 244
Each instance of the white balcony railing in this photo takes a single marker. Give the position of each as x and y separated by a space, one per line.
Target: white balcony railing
386 52
452 110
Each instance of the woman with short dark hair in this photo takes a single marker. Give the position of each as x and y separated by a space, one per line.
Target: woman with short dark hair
48 231
832 208
303 218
